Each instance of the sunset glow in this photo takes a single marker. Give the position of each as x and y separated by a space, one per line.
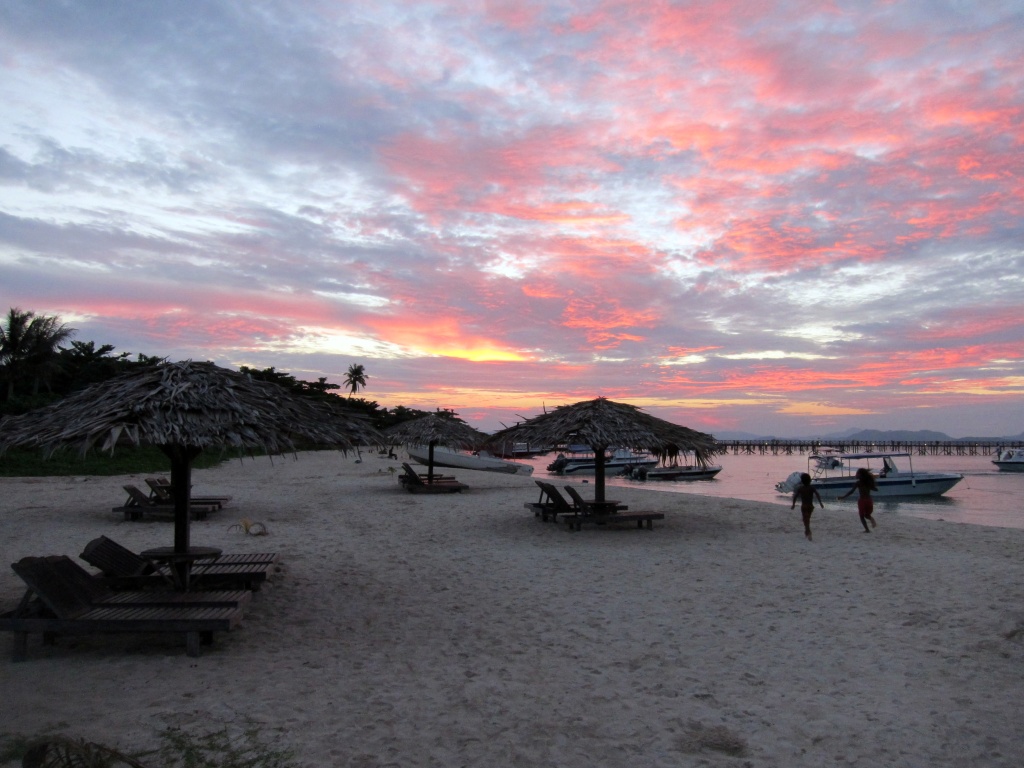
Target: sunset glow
777 218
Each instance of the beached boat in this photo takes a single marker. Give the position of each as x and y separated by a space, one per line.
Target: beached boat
1010 460
580 460
675 472
833 474
478 460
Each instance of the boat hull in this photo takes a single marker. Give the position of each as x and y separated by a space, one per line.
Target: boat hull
1010 466
834 475
610 467
456 460
1010 460
930 484
675 473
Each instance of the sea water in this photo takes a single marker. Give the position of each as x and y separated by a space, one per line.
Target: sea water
986 496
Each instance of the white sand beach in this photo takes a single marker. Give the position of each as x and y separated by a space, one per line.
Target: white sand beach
459 630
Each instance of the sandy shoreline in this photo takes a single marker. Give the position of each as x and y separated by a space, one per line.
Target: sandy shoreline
413 630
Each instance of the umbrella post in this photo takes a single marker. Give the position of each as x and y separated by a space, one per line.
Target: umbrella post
181 491
430 462
599 473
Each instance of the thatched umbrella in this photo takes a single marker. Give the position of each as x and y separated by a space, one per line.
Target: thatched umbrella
433 430
183 408
604 424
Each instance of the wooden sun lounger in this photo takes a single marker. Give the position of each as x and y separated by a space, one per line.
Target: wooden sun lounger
414 483
122 568
550 504
408 472
138 504
69 601
589 512
160 490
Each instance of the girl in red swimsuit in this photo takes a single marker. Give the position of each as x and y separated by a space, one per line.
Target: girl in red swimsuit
865 504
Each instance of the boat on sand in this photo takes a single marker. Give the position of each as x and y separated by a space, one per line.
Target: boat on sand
478 460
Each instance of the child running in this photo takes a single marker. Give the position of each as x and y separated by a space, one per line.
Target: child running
807 495
865 504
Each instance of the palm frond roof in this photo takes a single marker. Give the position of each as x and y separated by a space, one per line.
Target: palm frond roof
603 423
435 429
187 404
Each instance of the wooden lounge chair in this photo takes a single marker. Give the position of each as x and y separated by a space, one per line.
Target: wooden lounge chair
414 483
62 598
138 503
160 491
550 504
603 513
408 473
121 568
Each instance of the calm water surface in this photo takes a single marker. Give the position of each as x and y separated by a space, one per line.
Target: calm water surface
985 496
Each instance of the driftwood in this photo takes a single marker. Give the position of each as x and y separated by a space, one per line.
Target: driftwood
62 752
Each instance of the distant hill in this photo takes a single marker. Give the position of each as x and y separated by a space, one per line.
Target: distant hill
903 435
873 436
739 436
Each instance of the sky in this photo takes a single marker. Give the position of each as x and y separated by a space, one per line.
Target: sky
784 218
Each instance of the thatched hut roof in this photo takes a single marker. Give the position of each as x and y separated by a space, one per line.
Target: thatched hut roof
199 405
604 423
435 429
184 408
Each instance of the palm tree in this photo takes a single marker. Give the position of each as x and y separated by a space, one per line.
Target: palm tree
355 378
29 348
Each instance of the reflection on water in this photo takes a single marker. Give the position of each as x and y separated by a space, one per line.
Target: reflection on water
985 496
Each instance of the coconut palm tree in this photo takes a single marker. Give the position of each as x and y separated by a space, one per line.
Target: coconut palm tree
355 378
29 347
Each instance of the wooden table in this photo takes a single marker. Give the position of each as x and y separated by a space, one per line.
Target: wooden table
179 564
605 507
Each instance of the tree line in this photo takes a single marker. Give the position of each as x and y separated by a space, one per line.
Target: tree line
40 363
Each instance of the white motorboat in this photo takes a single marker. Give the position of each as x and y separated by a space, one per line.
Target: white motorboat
580 460
1010 460
478 460
833 474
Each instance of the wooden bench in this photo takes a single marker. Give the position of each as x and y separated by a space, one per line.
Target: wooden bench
124 569
415 483
161 492
62 598
139 503
575 522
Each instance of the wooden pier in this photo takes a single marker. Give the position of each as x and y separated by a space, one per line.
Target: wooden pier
797 447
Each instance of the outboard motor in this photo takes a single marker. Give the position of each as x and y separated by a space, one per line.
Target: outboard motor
789 484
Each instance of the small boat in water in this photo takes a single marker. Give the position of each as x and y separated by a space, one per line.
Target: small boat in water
833 474
1010 460
481 460
580 460
520 450
675 471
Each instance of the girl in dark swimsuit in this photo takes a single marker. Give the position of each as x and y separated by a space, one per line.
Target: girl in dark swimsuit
807 495
865 504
